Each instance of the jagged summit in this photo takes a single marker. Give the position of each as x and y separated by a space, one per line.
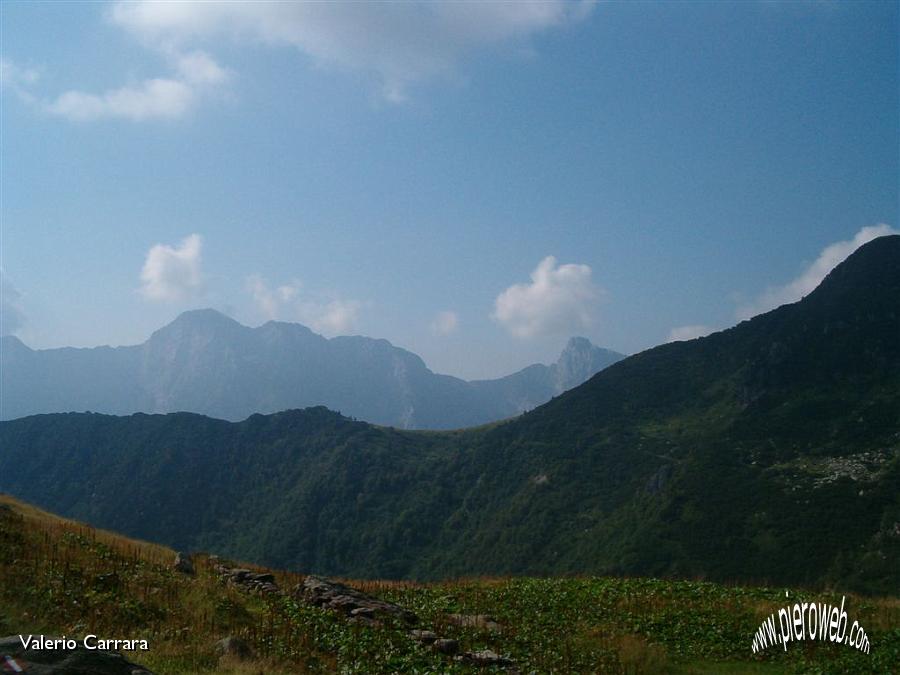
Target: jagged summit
578 361
577 344
208 321
208 363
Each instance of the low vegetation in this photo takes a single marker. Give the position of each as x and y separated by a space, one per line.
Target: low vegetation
63 578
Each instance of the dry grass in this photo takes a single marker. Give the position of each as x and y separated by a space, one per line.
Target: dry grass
58 576
53 526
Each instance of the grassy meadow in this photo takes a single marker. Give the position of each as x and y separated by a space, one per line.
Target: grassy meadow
63 578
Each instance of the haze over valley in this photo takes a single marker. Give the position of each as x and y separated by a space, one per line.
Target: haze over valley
207 363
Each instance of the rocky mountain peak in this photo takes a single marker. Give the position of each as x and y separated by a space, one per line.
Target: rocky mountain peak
580 360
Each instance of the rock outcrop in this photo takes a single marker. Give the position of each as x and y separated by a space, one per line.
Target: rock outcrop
260 582
356 604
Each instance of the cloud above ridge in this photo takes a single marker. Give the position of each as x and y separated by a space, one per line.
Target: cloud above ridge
681 333
12 317
559 300
445 323
172 273
329 313
830 257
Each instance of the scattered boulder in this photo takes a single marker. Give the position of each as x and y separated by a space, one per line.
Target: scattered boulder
183 563
485 657
234 647
341 598
78 661
424 636
261 582
481 621
445 646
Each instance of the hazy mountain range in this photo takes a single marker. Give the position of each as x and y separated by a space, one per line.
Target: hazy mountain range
767 452
207 363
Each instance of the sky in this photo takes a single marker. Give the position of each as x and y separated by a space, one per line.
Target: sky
475 182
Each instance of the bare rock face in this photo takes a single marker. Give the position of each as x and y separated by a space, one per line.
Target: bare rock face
341 598
78 661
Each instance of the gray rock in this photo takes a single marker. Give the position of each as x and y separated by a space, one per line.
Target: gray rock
262 582
261 578
482 621
234 647
339 597
78 661
486 657
425 636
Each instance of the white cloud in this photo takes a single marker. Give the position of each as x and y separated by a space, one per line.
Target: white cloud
445 322
156 98
12 74
333 317
830 257
17 79
681 333
324 313
264 299
400 44
11 315
559 300
172 273
198 67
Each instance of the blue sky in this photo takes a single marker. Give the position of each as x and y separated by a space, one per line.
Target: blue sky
406 171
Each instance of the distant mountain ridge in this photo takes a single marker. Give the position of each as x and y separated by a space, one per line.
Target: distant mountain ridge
207 363
769 452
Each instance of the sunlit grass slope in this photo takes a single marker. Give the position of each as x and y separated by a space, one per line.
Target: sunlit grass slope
61 577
